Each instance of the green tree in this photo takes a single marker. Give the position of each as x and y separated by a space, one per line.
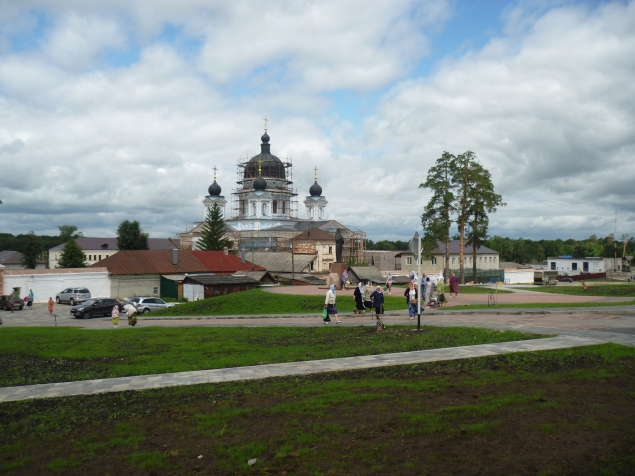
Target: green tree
32 251
437 214
68 231
212 235
130 236
463 172
483 202
72 256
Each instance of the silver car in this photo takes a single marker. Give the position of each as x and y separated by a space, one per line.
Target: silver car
144 305
73 296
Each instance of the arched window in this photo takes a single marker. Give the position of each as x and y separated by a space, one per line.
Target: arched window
284 208
264 209
275 206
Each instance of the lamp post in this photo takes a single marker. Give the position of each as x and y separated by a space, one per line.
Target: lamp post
415 248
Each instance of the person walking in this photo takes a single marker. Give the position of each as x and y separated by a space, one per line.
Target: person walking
358 296
377 298
454 285
368 290
115 316
412 297
428 290
344 279
51 306
131 312
389 283
329 304
29 299
440 291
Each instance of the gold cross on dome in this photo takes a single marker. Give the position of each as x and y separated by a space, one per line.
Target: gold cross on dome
260 166
214 169
315 169
266 123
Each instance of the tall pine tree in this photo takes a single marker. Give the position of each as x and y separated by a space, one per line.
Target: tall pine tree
72 256
436 218
32 251
213 232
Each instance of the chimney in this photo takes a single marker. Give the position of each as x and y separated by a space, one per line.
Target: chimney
175 256
226 250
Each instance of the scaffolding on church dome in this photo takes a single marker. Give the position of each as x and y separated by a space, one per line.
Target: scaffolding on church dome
279 177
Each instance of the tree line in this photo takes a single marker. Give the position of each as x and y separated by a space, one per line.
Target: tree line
523 250
130 236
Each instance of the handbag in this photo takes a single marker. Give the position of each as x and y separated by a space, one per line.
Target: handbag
325 313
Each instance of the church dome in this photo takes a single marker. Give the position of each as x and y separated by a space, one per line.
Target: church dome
214 189
260 183
315 190
270 165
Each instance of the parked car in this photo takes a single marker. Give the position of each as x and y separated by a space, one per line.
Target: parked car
5 302
146 304
73 296
95 307
566 280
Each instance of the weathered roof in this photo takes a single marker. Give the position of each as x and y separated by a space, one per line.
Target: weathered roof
160 262
258 275
93 269
315 234
281 262
110 244
222 279
454 249
363 273
10 257
152 262
219 262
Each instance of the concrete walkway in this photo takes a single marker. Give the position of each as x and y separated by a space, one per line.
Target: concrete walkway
144 382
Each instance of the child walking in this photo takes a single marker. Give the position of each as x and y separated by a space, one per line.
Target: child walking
115 316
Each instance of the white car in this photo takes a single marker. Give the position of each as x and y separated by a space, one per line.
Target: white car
73 296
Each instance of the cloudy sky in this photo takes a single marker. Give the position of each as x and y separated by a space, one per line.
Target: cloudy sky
119 110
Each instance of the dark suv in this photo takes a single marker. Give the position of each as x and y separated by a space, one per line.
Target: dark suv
5 302
95 307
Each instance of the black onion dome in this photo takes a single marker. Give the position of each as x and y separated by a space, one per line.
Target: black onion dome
214 189
260 183
315 190
270 165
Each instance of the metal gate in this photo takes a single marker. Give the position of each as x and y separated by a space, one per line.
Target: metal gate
190 291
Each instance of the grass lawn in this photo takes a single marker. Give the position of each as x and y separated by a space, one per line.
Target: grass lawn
540 305
30 355
615 290
561 412
257 301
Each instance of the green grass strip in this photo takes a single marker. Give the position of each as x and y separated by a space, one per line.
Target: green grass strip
540 305
30 355
615 290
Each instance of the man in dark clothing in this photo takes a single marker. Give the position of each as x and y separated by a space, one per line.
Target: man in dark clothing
377 298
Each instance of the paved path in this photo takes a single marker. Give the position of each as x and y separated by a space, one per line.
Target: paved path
144 382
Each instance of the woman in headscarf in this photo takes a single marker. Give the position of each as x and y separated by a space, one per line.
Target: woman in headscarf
389 283
454 285
412 296
358 295
329 304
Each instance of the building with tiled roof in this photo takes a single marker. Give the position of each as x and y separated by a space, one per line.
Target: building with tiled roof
96 249
139 272
13 260
316 242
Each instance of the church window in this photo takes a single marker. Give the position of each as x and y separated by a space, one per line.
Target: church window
284 207
253 208
264 208
275 206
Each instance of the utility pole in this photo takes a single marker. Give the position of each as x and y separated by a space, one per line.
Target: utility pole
615 244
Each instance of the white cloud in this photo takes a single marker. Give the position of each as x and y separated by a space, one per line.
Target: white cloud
548 108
